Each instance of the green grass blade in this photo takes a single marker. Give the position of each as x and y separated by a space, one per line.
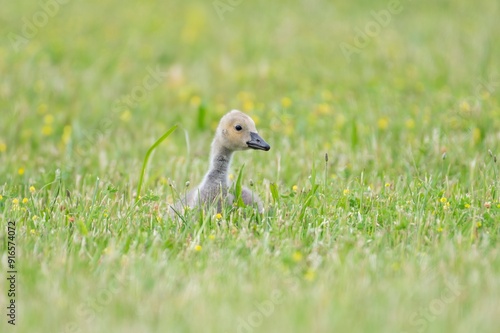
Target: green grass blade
202 112
239 188
354 134
146 159
274 192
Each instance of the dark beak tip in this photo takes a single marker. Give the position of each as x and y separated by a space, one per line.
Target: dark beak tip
257 142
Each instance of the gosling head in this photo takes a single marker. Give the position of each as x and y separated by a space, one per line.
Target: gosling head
237 131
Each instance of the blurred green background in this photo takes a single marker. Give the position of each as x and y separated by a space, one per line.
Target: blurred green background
282 63
411 117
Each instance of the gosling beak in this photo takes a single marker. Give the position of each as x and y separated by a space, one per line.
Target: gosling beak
256 142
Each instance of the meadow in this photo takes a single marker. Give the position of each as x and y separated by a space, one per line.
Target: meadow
381 187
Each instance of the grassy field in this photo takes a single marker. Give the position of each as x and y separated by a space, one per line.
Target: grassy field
397 232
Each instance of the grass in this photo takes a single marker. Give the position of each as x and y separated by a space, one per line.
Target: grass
146 160
397 232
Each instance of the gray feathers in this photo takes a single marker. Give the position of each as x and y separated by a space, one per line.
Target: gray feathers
236 131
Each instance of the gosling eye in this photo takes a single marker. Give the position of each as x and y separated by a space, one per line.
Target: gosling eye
238 128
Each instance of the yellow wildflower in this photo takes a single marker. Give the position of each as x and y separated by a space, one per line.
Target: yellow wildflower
256 119
32 189
286 102
310 275
387 184
383 123
48 119
467 205
410 123
211 237
195 101
443 200
248 106
47 130
346 191
476 135
485 94
340 120
297 256
20 171
464 106
245 96
197 248
295 188
218 216
66 136
25 200
323 108
15 201
440 229
3 147
126 116
479 224
195 23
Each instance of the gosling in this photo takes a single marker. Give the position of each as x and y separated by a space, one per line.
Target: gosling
236 131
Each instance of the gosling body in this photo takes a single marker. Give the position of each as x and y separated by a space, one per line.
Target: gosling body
236 131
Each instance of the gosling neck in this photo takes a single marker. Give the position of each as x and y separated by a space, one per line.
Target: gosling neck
220 159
